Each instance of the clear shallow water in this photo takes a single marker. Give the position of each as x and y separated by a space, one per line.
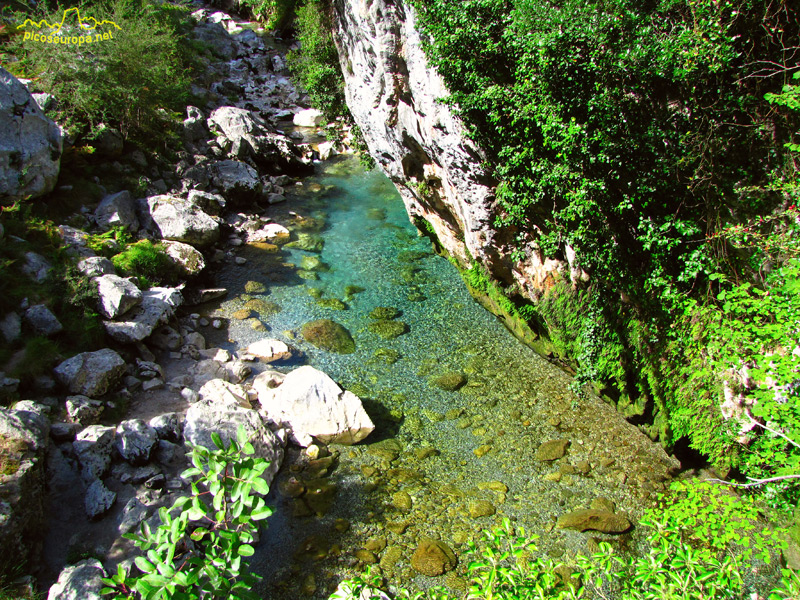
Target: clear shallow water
438 459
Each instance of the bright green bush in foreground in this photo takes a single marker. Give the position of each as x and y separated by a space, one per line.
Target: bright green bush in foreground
198 550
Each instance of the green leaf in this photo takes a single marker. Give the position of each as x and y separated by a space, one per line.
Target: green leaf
144 565
246 550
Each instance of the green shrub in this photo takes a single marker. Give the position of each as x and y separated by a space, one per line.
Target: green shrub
276 14
197 550
316 64
125 82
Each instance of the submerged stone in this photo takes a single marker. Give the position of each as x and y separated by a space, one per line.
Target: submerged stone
255 287
384 313
329 335
310 242
552 450
388 330
450 381
313 263
594 519
331 303
386 355
263 307
433 557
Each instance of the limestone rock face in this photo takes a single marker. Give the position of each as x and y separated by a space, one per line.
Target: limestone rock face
312 404
23 442
91 373
222 409
30 143
392 92
82 581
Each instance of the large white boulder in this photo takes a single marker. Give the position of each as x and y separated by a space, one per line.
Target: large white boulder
157 307
313 405
30 143
309 117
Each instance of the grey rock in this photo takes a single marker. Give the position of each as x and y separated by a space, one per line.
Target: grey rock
25 435
91 373
157 307
11 327
36 266
95 266
42 320
93 447
135 441
247 137
134 512
210 203
134 475
222 409
99 499
309 117
45 101
84 410
168 426
117 210
217 38
186 259
30 152
176 219
75 241
107 141
82 581
168 453
166 338
117 295
63 432
236 180
200 296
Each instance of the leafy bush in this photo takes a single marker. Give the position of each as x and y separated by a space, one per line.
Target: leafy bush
276 14
125 82
316 64
197 553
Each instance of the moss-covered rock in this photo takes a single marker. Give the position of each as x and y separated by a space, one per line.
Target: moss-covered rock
450 381
255 287
242 314
329 335
388 330
315 292
265 308
384 312
552 450
331 303
313 263
307 275
310 242
386 355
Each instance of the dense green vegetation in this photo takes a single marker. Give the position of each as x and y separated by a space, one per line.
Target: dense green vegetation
505 565
657 140
127 82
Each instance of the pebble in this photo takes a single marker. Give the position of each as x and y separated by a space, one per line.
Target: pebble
240 260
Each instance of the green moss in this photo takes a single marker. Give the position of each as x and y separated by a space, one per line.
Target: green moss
315 292
388 356
146 260
11 452
255 287
310 242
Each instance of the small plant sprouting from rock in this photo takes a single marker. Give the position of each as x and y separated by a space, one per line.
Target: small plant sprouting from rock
197 553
